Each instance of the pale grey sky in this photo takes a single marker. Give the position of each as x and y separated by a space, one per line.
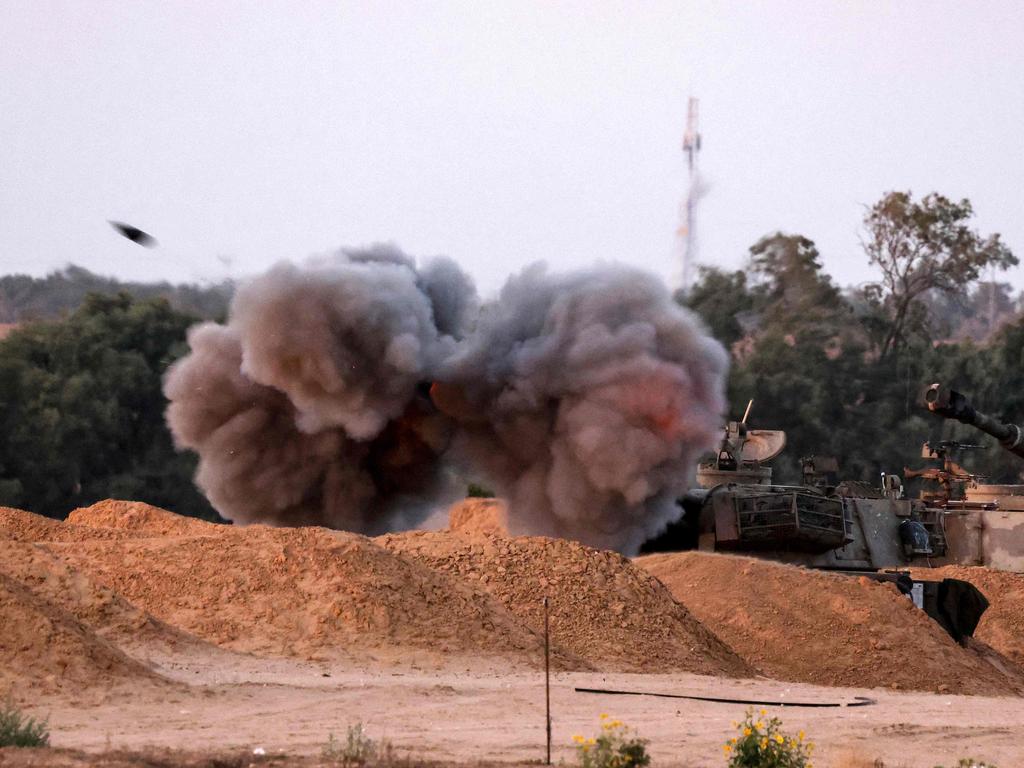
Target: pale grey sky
497 133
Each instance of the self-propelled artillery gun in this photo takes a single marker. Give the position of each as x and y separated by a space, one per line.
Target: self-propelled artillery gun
984 522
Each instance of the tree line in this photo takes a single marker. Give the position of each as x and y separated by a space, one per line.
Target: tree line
841 370
24 298
82 411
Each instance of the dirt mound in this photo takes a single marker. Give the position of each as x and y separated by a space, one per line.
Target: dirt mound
100 609
300 591
829 629
45 649
602 608
1002 625
478 516
140 518
18 525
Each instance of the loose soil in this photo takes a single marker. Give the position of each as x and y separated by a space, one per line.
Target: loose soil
1002 625
302 591
479 516
18 525
143 519
49 650
810 626
602 608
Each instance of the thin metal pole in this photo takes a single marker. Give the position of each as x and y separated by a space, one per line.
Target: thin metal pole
547 682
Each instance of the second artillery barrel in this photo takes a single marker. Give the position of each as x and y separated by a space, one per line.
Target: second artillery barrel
949 403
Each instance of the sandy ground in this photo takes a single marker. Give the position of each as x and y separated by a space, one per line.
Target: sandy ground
468 714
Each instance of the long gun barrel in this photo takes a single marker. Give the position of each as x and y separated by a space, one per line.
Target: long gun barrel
950 404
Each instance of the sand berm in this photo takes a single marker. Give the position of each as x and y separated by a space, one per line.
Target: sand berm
94 597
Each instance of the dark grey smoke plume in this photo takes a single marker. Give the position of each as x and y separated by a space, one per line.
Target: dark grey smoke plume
584 398
310 406
347 342
587 398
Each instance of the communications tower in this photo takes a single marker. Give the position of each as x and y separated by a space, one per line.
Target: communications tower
687 226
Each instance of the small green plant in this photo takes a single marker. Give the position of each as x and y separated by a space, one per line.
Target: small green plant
358 749
761 743
19 730
970 762
476 491
614 747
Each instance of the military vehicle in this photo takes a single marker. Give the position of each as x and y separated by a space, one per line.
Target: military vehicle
821 523
852 527
984 523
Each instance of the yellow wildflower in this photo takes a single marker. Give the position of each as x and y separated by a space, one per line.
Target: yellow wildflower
778 738
764 742
726 748
759 725
604 715
733 740
591 742
800 735
578 739
747 731
764 712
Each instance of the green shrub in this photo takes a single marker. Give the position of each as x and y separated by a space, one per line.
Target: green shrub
761 743
19 730
476 491
613 747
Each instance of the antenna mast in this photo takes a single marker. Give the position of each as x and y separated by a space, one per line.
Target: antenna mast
687 227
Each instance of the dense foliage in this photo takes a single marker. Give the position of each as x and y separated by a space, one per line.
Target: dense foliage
843 372
82 412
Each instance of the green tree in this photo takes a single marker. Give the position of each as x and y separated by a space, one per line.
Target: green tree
922 246
722 299
81 409
796 294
